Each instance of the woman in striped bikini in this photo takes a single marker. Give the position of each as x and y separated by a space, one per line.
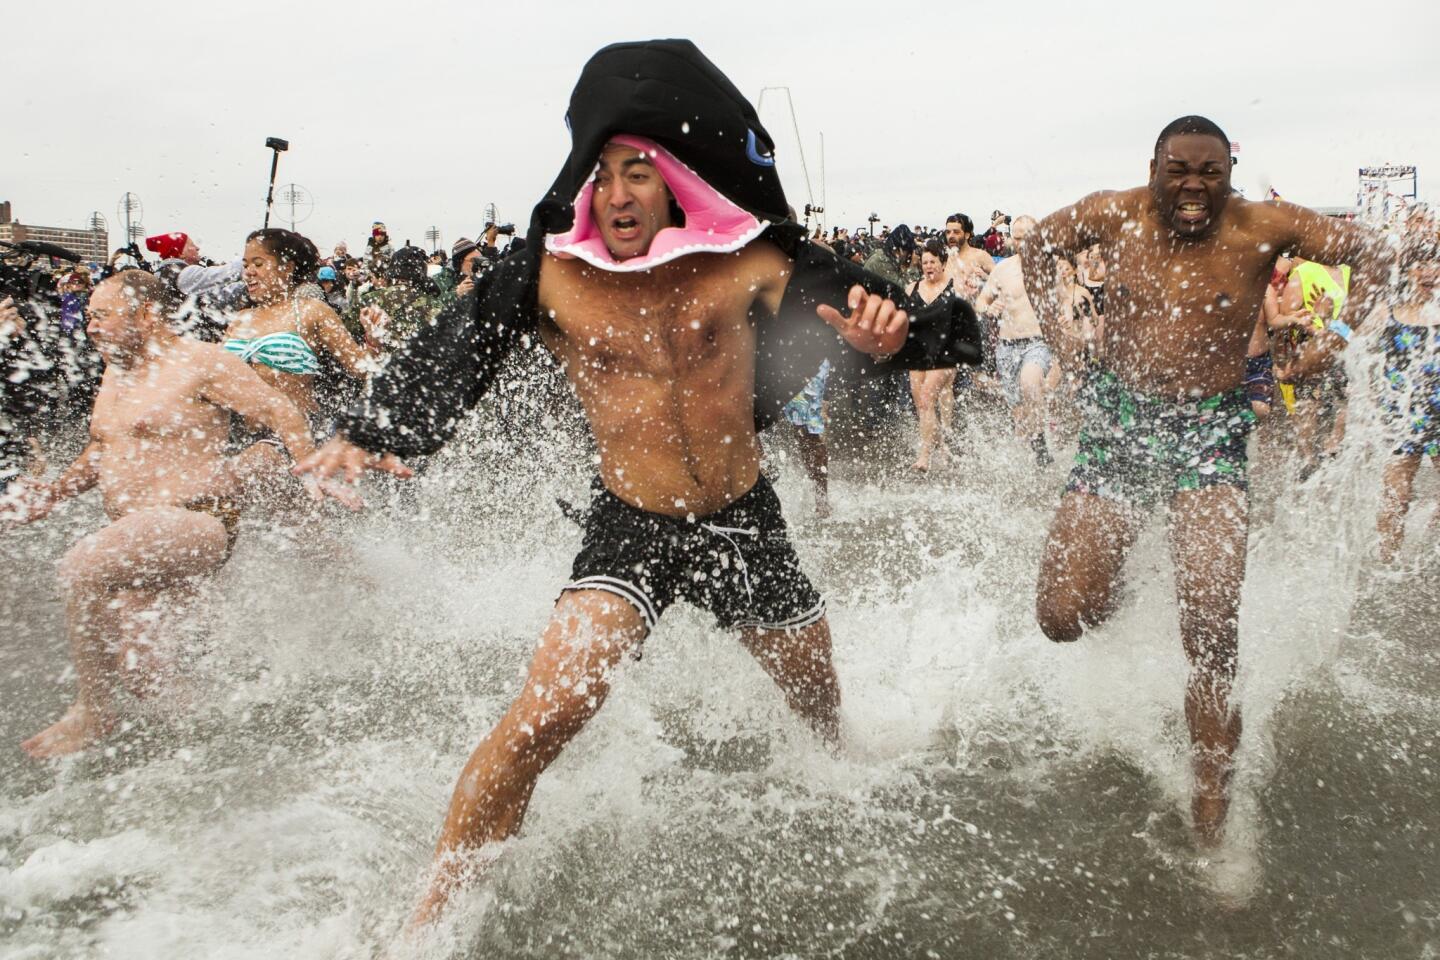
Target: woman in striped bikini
283 335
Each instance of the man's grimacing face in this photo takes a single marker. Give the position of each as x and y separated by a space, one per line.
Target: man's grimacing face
631 203
1190 183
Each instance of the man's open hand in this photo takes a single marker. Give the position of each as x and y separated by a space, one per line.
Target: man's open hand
26 502
874 325
340 456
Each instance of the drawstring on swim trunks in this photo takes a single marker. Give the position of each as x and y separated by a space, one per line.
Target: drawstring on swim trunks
726 532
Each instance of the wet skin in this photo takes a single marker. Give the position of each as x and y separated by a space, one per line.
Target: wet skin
663 362
1188 265
1183 290
158 433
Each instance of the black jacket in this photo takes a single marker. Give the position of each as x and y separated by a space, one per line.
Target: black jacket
667 91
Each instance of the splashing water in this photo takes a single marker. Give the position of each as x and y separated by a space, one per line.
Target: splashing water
998 796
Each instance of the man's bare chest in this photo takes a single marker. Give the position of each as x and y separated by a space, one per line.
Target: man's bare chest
1211 287
153 410
656 332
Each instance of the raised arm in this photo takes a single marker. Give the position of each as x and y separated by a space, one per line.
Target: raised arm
988 296
863 333
230 383
1064 233
354 359
33 502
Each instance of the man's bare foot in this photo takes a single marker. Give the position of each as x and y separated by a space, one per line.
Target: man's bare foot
454 870
430 906
921 466
72 733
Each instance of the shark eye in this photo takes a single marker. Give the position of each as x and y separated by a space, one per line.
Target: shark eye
759 154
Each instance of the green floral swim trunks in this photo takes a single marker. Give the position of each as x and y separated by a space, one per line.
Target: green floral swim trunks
1137 448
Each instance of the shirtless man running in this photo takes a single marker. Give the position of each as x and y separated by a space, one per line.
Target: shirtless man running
1167 420
968 266
663 358
1022 360
157 437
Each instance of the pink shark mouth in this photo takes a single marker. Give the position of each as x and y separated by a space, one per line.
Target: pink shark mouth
713 224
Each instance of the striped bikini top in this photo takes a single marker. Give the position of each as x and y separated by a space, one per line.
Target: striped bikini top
285 351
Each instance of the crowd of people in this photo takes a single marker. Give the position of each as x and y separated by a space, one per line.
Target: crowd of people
646 289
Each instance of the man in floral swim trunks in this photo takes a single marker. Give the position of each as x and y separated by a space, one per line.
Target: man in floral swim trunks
1137 449
1167 416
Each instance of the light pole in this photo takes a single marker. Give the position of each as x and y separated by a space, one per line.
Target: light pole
279 146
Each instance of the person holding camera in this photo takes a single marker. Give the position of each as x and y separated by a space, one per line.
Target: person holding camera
490 238
468 262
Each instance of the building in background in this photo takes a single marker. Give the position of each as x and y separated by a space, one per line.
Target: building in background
91 243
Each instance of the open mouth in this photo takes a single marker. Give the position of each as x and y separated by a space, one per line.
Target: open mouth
1192 211
625 227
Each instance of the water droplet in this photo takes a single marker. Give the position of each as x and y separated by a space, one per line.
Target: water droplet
685 127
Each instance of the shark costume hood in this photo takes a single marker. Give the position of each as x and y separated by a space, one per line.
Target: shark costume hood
668 92
664 97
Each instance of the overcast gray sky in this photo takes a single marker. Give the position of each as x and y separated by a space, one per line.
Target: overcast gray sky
420 114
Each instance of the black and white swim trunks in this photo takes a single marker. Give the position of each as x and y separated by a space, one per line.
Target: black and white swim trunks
737 563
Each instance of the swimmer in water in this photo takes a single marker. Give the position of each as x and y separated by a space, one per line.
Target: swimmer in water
660 340
1022 357
932 390
1310 296
1410 336
157 438
968 266
1166 417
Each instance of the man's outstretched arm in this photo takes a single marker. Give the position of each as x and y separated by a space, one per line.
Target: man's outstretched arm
33 502
231 384
1372 263
1063 233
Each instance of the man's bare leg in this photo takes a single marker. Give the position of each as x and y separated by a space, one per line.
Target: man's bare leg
800 663
1030 413
1307 432
1398 487
1208 542
108 578
588 633
815 456
1090 538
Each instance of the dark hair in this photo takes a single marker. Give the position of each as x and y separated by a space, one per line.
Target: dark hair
965 222
902 238
1191 124
936 249
407 266
291 249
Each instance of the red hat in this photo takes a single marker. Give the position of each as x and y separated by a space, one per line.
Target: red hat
168 245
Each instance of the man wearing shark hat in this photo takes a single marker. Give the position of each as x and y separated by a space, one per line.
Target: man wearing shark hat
686 308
